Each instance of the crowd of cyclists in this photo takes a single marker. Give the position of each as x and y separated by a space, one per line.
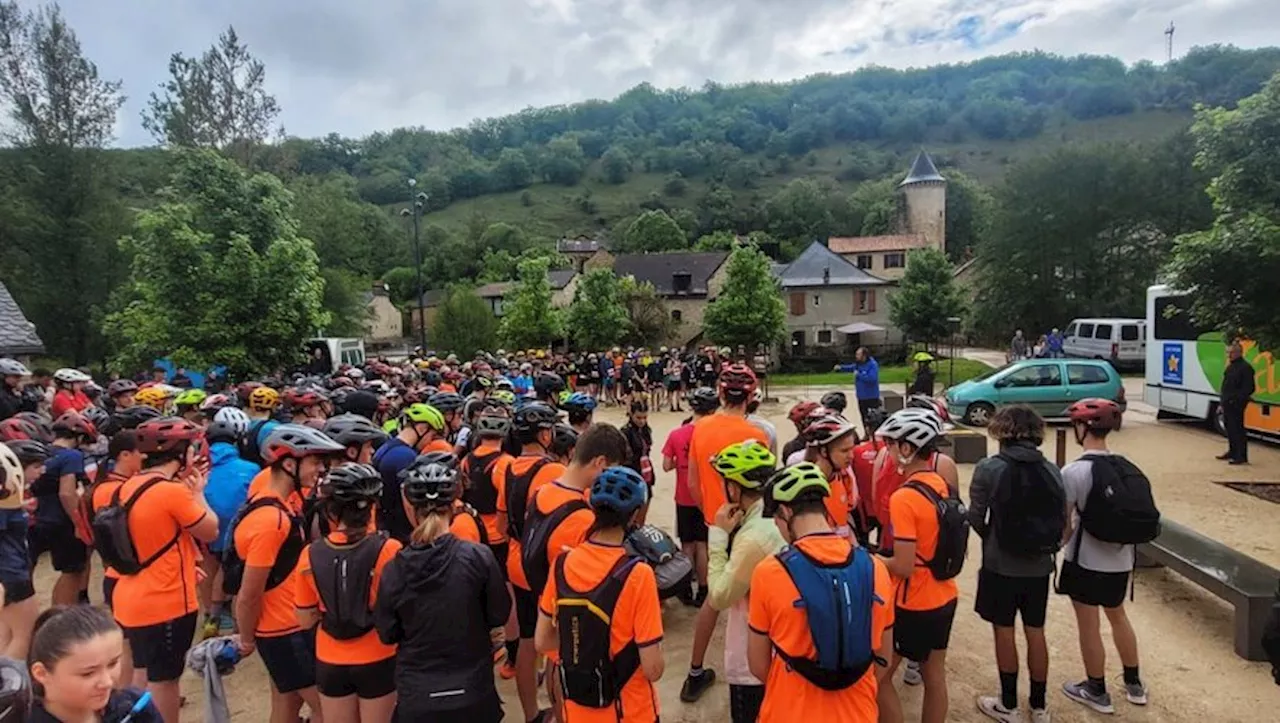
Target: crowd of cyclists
390 539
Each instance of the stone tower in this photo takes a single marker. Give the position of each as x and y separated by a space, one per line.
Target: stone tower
924 202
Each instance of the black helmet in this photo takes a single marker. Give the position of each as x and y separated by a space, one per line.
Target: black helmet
133 416
98 417
430 485
29 451
353 430
446 401
532 417
15 691
548 384
353 483
835 401
432 378
563 441
447 459
359 401
704 400
873 418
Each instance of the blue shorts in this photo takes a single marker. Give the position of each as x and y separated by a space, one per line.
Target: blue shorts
15 561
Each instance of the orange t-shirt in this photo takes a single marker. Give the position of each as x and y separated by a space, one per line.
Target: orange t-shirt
367 648
637 617
838 502
573 529
258 539
712 434
498 478
464 526
774 613
101 497
166 590
916 520
549 473
436 445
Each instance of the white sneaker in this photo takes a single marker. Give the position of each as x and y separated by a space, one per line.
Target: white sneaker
991 707
1039 715
911 674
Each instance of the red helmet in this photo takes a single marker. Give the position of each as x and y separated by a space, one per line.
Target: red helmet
738 378
73 422
244 389
1096 413
166 434
301 399
18 428
800 411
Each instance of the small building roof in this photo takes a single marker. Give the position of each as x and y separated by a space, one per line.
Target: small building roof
660 269
581 245
923 171
817 265
875 244
433 298
17 334
559 278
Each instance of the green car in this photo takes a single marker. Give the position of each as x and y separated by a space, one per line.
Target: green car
1048 386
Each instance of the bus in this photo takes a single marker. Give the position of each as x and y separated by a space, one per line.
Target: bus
1185 365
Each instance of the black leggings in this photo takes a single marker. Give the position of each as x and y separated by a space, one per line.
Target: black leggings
489 711
744 702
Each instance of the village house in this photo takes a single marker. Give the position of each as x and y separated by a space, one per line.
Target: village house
686 282
832 305
18 337
384 324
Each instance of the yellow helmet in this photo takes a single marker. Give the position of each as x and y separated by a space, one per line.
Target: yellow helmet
153 397
263 399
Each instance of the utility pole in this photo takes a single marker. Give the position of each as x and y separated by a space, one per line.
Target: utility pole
418 207
1168 34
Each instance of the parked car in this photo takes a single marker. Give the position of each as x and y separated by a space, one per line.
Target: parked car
1048 386
1123 342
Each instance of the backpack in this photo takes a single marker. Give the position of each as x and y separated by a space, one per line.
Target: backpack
837 600
538 528
1027 509
286 560
344 578
589 675
953 531
1119 508
111 536
249 447
481 493
517 487
483 531
672 568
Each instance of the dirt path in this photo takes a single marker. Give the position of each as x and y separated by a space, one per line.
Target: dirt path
1185 634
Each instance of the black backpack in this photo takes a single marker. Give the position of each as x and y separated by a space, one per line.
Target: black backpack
111 536
538 528
589 675
953 531
286 559
481 493
249 447
516 487
1028 508
1120 508
344 577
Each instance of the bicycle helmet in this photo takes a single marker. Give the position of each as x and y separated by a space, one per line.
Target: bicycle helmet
703 400
738 383
263 399
619 488
121 386
74 423
29 451
68 375
917 427
10 470
749 464
214 402
297 441
13 368
166 434
153 397
1096 413
491 423
532 417
505 397
802 481
835 401
351 483
26 425
504 385
563 440
426 414
873 418
15 691
353 430
229 425
133 416
548 385
446 402
578 401
827 430
190 398
430 484
98 417
800 411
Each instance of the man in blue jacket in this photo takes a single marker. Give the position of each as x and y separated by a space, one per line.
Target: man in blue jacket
866 381
226 492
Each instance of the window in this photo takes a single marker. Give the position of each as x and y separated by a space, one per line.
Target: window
1086 374
797 303
864 301
1102 332
817 299
1086 331
1035 375
676 315
681 282
824 336
895 260
1129 332
864 261
1173 319
1071 331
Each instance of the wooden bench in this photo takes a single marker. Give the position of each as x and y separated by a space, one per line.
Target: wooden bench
1248 584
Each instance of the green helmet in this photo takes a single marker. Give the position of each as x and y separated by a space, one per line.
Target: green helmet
505 397
749 464
190 398
801 481
564 396
424 413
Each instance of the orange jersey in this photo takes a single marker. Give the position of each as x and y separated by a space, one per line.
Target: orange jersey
636 618
549 473
367 648
916 520
497 477
436 445
464 526
258 539
775 613
712 434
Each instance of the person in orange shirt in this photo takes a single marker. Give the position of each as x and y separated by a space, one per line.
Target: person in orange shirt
533 428
829 443
813 677
600 612
126 461
710 435
925 605
269 539
157 607
355 671
483 470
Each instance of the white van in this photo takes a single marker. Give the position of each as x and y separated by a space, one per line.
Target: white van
1123 342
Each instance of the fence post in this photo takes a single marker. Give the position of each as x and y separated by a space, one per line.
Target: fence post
1060 452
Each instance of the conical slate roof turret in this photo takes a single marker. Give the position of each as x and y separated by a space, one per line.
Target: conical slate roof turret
923 171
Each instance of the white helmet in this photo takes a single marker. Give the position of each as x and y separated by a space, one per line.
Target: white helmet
68 375
355 373
235 419
10 469
917 427
13 368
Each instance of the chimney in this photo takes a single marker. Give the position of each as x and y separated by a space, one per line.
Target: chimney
826 275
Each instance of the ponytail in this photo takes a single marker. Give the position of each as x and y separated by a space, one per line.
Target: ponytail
432 523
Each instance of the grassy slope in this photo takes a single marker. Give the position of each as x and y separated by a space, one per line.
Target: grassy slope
554 213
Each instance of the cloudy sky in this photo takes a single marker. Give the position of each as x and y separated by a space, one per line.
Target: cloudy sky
358 66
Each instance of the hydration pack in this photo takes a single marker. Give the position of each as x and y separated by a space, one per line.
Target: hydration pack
1028 509
516 485
672 568
249 447
111 536
538 528
589 675
1120 508
953 530
286 560
481 493
344 578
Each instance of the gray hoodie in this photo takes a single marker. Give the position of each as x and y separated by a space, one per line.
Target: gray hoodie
986 476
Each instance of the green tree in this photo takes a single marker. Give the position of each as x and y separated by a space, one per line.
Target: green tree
528 318
616 164
347 232
563 161
649 322
926 297
343 301
512 170
220 274
675 185
597 319
749 310
716 241
1234 265
800 211
653 231
969 213
464 324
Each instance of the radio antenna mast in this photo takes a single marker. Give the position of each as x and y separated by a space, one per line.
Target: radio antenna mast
1168 33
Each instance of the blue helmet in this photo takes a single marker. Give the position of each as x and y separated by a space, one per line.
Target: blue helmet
619 488
579 401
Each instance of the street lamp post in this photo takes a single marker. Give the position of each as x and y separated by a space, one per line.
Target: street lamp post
418 207
954 323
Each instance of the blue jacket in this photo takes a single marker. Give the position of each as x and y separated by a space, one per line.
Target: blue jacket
866 378
1054 342
228 487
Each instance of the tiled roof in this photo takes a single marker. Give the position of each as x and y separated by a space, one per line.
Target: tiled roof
17 334
660 269
819 266
581 245
559 278
873 244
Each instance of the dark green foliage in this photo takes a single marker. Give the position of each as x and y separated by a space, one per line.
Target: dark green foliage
464 324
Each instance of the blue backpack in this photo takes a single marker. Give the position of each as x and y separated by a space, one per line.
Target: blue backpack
838 600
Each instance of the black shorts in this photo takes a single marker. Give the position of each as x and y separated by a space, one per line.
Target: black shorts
1001 599
500 552
526 611
673 385
290 660
917 633
745 702
162 648
368 681
68 552
486 711
109 591
690 525
1089 587
15 591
